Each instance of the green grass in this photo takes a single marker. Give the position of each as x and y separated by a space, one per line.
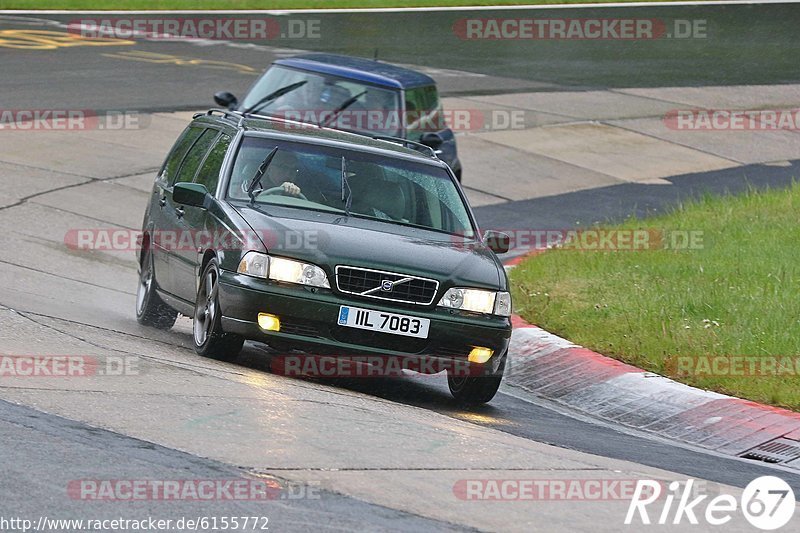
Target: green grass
737 295
263 4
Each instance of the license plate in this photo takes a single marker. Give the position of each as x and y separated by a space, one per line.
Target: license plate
410 326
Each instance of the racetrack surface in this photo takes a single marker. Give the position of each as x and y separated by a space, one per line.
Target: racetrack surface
386 454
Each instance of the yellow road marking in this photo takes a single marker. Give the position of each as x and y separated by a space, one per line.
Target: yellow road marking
51 40
167 59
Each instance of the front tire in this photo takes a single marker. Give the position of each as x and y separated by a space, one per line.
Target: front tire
150 310
209 338
475 390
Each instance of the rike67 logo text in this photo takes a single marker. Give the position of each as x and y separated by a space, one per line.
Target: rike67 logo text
767 503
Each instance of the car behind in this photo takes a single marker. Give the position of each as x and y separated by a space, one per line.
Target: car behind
353 94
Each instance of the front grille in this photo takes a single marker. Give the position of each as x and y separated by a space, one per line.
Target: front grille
386 285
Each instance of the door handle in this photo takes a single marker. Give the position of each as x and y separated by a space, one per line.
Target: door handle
162 201
179 211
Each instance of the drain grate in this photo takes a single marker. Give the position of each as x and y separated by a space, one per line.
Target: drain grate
775 451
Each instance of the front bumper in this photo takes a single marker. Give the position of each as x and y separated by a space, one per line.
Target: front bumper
309 322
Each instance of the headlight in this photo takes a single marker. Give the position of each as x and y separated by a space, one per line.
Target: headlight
279 269
291 271
477 301
254 264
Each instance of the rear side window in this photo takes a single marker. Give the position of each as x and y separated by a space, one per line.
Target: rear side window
182 145
209 172
195 155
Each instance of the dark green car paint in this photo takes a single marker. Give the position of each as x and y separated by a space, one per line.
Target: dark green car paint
310 314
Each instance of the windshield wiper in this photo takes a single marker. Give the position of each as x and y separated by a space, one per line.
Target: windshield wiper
274 95
347 103
256 181
348 199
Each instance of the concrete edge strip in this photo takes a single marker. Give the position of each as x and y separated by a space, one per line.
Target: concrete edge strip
555 368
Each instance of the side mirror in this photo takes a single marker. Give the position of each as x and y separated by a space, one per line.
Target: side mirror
434 140
192 194
226 99
497 242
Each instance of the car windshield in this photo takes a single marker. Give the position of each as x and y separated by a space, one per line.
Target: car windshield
320 100
306 176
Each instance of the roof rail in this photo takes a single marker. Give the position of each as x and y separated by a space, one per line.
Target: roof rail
271 118
223 112
414 145
240 117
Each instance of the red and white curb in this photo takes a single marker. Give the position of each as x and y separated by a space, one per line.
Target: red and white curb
599 386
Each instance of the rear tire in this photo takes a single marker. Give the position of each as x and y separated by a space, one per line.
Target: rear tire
475 390
209 338
150 310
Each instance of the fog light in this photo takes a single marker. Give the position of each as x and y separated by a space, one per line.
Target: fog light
480 354
269 322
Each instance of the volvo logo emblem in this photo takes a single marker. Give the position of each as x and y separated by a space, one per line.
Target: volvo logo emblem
387 285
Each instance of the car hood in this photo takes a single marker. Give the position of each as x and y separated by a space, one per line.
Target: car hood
328 240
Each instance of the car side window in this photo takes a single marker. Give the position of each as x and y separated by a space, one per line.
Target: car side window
209 172
194 156
182 145
423 111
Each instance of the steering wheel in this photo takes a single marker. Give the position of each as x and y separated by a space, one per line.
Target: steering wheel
282 191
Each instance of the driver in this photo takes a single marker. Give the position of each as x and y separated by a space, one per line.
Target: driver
283 172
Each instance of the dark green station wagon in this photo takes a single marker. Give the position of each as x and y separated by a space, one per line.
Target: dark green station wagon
331 243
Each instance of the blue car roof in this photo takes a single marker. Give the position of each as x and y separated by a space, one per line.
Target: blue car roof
356 68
